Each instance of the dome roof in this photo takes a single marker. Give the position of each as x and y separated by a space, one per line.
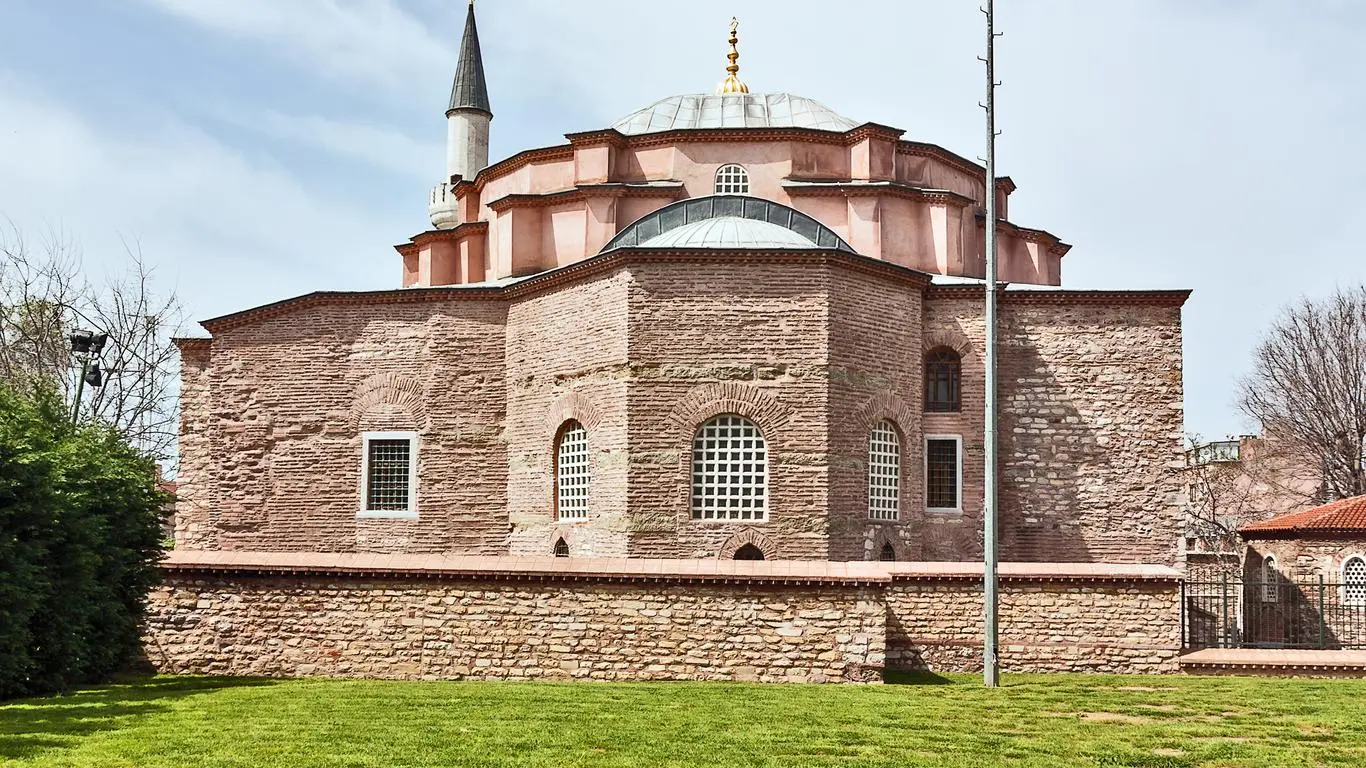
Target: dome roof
729 232
727 221
733 110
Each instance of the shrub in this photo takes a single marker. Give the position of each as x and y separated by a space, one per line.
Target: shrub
80 537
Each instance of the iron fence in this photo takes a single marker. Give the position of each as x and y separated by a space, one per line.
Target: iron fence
1233 613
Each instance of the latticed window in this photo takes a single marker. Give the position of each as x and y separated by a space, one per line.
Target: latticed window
884 472
571 472
732 179
389 472
943 381
943 473
1354 581
1270 580
729 470
561 548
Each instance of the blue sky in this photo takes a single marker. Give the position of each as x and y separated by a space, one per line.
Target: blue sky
258 149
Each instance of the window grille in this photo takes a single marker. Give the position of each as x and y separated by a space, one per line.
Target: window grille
884 472
888 554
1354 581
1270 580
571 472
389 474
729 470
943 381
943 471
732 179
561 548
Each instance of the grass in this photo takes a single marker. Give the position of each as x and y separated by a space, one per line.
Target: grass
1058 720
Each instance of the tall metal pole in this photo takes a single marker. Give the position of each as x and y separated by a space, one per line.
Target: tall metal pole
991 673
80 389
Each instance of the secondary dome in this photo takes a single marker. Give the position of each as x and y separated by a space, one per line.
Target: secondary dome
733 110
729 232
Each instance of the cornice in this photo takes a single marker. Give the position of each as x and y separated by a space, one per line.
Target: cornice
192 343
797 188
458 232
1062 296
923 149
581 192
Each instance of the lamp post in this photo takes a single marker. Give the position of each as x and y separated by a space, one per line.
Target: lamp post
86 345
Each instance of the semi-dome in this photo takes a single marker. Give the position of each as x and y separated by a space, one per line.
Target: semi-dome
727 221
729 232
733 110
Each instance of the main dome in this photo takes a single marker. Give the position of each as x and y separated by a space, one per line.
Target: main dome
733 110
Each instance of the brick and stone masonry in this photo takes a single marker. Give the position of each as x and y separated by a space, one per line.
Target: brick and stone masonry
413 617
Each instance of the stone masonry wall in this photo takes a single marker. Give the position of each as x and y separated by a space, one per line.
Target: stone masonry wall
533 625
340 627
1110 627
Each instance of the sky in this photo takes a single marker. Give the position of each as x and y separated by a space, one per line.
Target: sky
253 150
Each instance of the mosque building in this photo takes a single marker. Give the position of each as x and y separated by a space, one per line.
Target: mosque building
731 325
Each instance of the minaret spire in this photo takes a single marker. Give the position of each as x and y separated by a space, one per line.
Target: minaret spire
470 91
732 83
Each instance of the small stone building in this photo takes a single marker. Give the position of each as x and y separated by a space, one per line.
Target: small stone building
1327 541
736 325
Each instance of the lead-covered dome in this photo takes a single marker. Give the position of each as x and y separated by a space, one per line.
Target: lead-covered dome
725 222
734 110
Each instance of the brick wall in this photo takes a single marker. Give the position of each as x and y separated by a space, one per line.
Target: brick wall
407 617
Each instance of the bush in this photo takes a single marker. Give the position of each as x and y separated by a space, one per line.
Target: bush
80 536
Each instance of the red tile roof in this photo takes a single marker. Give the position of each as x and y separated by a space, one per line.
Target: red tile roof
1341 516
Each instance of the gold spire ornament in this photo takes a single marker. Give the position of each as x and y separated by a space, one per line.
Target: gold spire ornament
732 83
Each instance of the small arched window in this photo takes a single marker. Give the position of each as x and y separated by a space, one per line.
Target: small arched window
943 381
884 472
732 179
729 470
748 552
1270 580
888 553
571 472
561 548
1354 581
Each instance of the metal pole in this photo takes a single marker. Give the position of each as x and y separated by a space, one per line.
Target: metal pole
80 389
1322 608
991 672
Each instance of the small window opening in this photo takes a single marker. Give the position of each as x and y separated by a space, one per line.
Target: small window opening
561 548
888 554
732 179
749 552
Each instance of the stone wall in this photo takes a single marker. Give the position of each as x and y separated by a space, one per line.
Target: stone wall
409 618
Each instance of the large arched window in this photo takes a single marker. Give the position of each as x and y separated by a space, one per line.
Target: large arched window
943 381
571 472
732 179
1354 581
1270 580
884 472
729 470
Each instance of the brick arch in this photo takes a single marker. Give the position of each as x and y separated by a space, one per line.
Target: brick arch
576 406
747 536
388 392
954 340
708 400
885 538
886 405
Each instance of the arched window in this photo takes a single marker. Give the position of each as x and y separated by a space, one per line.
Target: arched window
748 552
732 179
943 381
1270 580
888 553
729 470
884 472
571 472
561 548
1354 581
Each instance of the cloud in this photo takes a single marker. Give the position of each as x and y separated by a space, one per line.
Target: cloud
228 229
383 148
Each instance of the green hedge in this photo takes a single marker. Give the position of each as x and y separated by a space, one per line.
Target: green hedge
80 536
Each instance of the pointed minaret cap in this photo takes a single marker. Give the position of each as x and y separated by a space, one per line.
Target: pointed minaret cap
470 91
732 83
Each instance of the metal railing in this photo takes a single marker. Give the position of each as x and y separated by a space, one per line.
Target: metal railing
1233 613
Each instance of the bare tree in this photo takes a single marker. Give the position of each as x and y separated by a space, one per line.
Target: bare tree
1308 388
44 297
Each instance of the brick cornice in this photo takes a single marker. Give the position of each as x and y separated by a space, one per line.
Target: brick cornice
458 232
1062 296
192 343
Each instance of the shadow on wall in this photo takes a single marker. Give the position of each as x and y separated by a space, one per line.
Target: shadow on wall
31 728
1046 451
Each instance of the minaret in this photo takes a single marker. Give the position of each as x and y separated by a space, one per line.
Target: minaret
469 115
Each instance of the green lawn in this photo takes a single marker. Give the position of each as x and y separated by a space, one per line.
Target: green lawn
1034 720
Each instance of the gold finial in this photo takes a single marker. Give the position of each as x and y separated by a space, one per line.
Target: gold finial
732 83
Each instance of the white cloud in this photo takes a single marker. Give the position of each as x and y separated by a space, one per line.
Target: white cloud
384 148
